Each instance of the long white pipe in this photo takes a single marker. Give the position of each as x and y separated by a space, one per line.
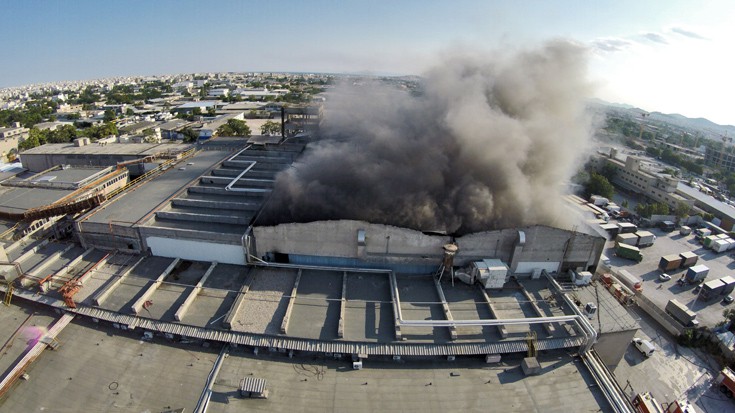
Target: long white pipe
488 322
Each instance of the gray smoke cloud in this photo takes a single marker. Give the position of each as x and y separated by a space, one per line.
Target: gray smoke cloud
487 144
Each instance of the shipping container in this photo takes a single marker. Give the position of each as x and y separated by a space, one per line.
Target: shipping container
645 239
697 274
688 259
669 262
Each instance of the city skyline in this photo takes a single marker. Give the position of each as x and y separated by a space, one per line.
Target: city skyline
669 56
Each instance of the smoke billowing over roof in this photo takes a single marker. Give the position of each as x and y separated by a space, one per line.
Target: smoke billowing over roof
486 145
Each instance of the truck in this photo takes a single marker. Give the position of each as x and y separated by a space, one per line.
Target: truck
645 239
708 240
681 313
669 262
646 403
696 274
685 230
630 280
628 251
627 238
680 406
667 226
720 245
711 289
700 233
726 381
599 201
688 259
627 227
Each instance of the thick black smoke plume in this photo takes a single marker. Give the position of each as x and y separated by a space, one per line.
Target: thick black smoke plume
488 144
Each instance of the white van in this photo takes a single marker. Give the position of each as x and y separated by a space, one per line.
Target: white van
644 346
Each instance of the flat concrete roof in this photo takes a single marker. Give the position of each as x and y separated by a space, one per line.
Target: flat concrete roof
104 369
611 315
128 149
724 208
323 384
18 200
133 205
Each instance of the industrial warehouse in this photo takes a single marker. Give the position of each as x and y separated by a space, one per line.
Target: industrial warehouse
176 257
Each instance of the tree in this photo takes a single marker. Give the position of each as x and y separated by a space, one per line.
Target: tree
234 127
33 140
129 112
270 128
109 116
682 210
599 185
190 135
624 204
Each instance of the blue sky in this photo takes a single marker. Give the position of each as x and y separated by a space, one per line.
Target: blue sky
669 56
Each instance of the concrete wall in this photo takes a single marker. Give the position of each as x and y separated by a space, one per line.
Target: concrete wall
196 250
339 239
542 245
611 347
545 247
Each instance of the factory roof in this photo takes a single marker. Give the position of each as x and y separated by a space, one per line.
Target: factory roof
611 315
709 200
36 190
129 149
132 206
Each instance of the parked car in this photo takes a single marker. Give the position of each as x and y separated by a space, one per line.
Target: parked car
664 277
728 299
644 346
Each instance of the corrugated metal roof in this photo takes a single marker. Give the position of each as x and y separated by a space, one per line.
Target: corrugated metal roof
252 384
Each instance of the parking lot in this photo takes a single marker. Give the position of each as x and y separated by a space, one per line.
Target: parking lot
709 312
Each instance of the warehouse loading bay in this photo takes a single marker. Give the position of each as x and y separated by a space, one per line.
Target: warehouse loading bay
709 312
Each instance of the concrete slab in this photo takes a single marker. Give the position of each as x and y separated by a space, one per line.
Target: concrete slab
101 276
369 312
21 327
318 384
134 285
467 303
110 370
210 307
266 302
316 309
420 301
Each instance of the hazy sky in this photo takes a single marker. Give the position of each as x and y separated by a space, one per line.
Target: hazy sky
668 56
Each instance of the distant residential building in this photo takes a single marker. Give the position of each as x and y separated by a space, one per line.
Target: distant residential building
208 130
15 131
219 92
202 105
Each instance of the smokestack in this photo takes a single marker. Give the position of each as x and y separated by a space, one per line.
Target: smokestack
450 250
